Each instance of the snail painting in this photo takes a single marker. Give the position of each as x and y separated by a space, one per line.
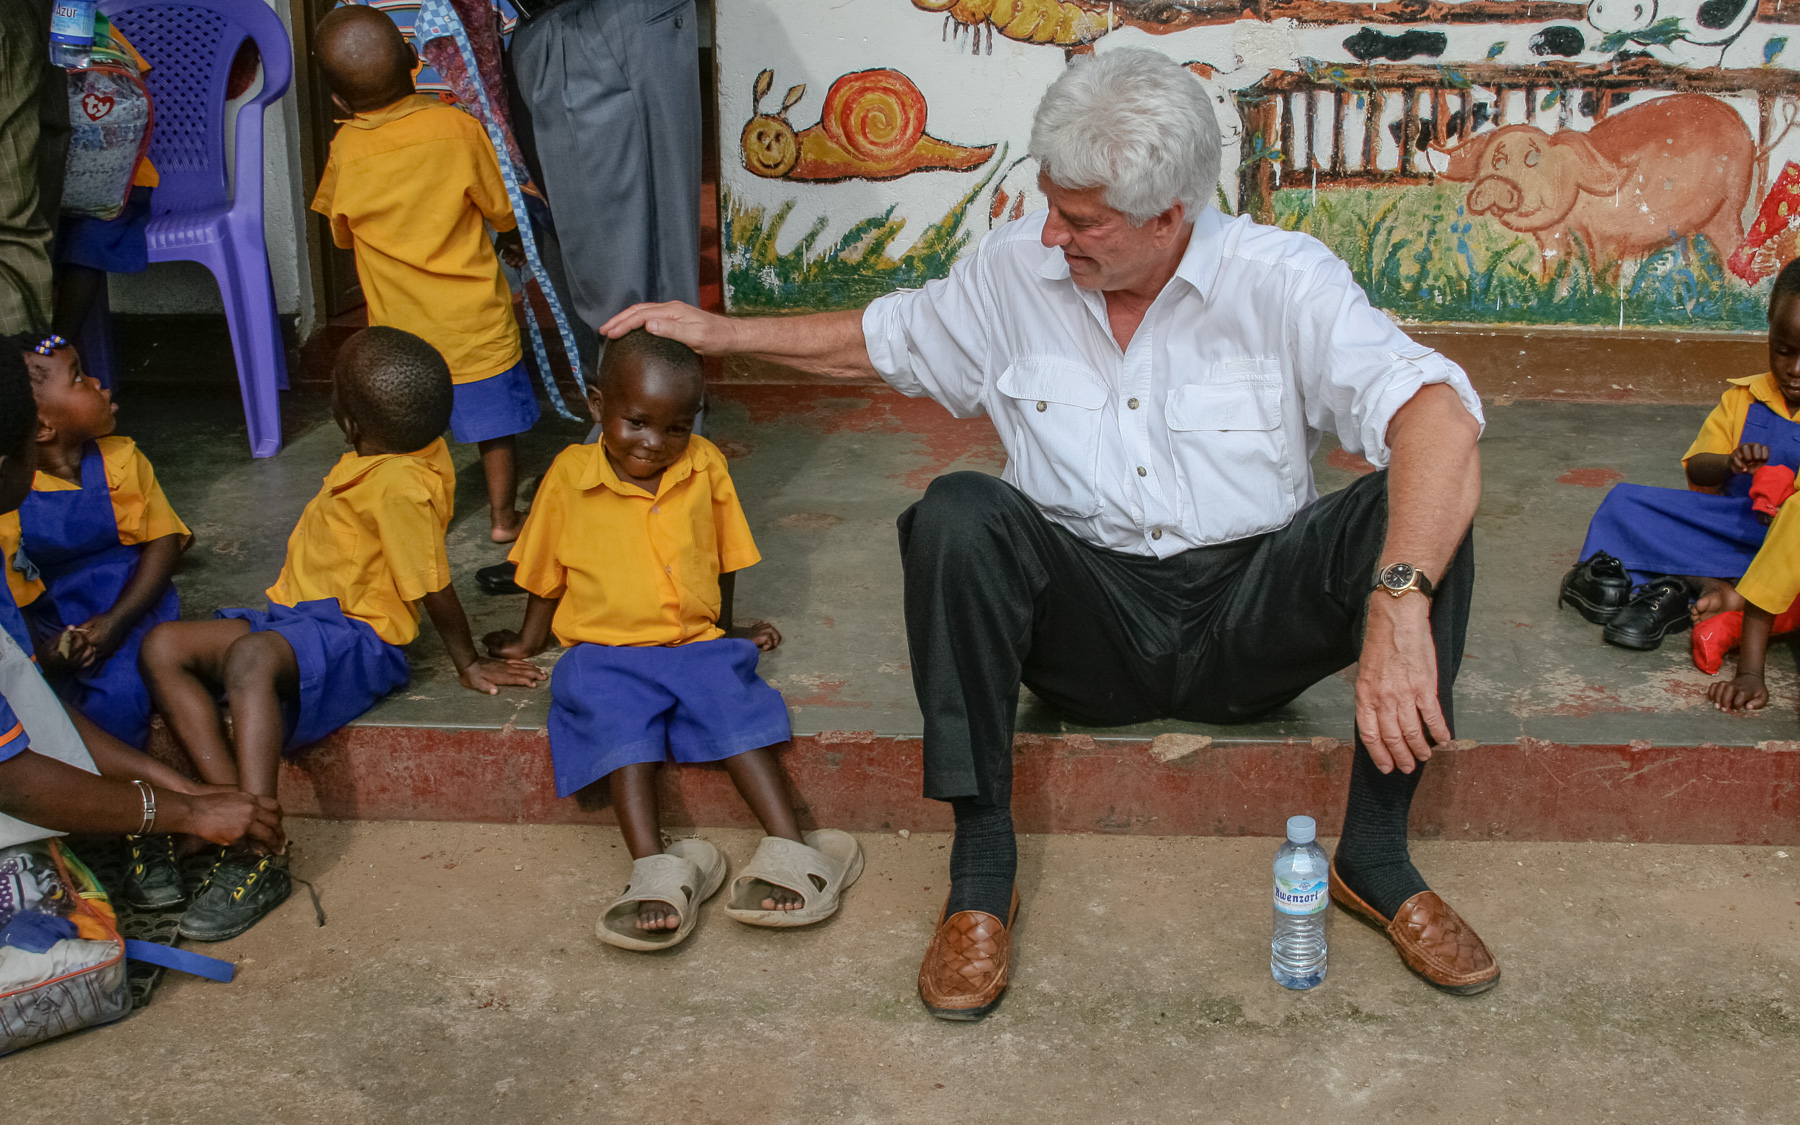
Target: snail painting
871 127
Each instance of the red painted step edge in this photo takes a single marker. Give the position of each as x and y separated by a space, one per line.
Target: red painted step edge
1175 785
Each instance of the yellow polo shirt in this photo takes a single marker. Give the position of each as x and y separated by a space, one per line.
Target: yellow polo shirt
1724 427
632 568
373 538
24 590
140 508
409 187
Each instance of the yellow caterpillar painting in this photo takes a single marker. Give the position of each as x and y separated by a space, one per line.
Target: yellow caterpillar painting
1065 23
871 127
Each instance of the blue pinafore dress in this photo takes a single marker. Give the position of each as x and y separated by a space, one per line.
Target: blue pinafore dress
1657 531
72 539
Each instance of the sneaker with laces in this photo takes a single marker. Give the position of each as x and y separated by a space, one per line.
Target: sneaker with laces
1656 609
153 877
242 887
1597 587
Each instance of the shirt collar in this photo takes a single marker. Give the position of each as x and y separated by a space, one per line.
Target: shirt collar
1762 388
599 473
375 118
1199 265
353 467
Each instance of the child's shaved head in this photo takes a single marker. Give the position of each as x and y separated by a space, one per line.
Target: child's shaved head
18 406
1786 287
649 359
395 386
365 58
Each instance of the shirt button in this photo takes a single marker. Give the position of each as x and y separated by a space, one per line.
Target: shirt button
1143 472
1043 406
655 508
667 571
1157 534
1132 402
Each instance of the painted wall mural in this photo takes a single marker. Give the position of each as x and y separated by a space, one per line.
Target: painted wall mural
1616 162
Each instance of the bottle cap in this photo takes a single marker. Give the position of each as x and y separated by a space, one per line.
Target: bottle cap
1301 829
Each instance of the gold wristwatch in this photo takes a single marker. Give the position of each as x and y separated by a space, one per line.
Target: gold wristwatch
1398 578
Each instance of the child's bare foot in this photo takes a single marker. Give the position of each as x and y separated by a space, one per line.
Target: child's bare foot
780 898
1716 596
506 526
657 916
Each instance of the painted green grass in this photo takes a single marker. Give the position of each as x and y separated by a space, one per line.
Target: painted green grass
1419 256
845 274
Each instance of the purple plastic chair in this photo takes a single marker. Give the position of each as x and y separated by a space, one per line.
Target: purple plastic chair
199 212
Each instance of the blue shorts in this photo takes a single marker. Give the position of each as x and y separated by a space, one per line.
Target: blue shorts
613 706
495 407
345 667
117 245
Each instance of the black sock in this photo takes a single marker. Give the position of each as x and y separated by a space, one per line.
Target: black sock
984 857
1371 857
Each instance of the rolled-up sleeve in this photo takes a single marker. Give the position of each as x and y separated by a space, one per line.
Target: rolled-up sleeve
1357 368
934 342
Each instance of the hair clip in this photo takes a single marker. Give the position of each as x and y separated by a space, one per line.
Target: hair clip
49 344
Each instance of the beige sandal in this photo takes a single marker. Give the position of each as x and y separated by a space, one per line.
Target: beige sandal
819 871
684 876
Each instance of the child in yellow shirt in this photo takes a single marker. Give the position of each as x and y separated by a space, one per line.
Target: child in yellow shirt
367 553
98 533
413 184
629 555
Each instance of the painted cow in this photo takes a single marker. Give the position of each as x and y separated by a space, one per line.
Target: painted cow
1640 179
1680 32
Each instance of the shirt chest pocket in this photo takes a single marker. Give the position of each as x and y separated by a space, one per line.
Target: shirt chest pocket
1229 446
1050 416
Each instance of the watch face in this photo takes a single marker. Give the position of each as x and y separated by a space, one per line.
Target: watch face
1398 576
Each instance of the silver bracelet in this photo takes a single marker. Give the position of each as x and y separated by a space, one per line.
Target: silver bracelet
149 796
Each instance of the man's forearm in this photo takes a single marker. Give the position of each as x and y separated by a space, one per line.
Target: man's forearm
823 343
1434 480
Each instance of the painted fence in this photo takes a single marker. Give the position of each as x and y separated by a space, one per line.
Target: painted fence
1617 162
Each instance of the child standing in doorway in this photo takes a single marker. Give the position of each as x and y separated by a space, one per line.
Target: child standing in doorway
630 554
413 184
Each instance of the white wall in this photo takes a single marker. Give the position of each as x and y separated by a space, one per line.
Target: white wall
187 287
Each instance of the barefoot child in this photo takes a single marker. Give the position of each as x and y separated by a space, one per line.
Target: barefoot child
1720 533
367 553
101 536
410 184
629 555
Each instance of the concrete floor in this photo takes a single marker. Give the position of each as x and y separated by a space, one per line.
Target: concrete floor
825 470
458 979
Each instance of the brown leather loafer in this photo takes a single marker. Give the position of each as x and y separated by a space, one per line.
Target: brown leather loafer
1432 940
966 964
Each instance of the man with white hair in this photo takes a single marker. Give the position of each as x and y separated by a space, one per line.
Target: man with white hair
1160 375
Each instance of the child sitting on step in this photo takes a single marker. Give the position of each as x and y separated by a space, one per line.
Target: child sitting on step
98 533
629 553
367 553
1731 540
413 184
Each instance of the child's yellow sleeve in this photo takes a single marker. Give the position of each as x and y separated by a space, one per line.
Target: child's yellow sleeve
24 590
325 202
737 549
535 557
487 190
140 508
1720 432
410 522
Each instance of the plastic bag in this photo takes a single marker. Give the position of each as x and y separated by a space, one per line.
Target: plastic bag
109 132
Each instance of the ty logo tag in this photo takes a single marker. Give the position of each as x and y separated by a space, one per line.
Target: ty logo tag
96 106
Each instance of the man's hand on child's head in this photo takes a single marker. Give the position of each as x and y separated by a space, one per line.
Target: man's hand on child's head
765 636
512 249
488 675
1749 457
1747 692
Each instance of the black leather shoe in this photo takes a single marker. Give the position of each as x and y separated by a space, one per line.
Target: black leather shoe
1656 609
498 579
1598 588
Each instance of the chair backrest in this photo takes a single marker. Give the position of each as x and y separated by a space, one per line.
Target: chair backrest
190 45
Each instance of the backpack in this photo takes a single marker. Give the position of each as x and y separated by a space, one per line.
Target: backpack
79 981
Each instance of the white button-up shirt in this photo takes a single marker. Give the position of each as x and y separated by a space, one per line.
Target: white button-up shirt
1203 429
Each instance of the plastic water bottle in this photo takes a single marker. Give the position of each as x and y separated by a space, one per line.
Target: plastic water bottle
72 33
1297 953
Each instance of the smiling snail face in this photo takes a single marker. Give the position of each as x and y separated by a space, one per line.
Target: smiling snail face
770 147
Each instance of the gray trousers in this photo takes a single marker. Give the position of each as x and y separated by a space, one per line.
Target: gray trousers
612 88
